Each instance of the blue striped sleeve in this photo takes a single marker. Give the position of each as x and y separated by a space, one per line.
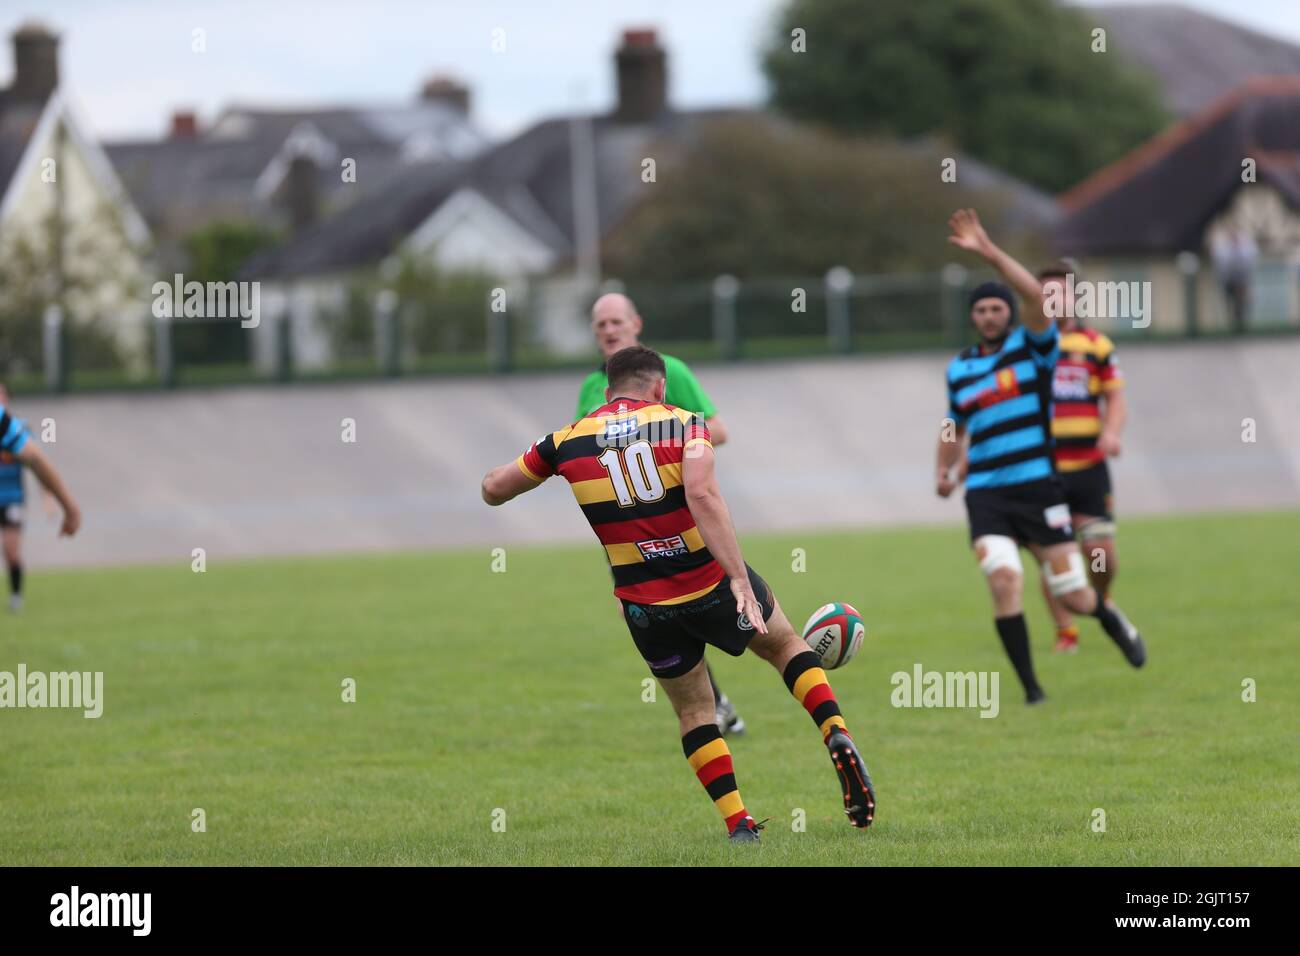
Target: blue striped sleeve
1045 348
15 433
953 411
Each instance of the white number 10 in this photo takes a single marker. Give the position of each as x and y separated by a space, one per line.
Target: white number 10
634 466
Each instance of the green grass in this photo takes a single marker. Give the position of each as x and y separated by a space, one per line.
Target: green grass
480 690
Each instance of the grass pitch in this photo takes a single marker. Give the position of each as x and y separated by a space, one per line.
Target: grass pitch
481 692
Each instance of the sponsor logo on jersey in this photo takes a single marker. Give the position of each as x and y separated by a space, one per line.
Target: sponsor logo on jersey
662 547
1070 383
616 428
1004 386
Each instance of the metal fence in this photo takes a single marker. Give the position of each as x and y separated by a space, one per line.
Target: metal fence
542 324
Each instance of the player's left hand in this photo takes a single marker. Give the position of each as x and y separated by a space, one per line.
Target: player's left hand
967 233
71 522
747 604
1109 445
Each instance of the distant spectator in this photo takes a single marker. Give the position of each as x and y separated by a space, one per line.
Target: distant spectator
1235 253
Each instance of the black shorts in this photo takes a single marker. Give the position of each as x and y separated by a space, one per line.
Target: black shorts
1031 513
11 515
1087 491
671 637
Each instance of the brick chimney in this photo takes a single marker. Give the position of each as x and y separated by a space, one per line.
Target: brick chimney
642 68
36 63
185 125
444 89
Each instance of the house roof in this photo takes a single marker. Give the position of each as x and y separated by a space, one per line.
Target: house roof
365 231
1196 58
17 123
450 131
528 177
1160 197
227 166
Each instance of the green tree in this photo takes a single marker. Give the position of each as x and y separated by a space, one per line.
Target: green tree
762 198
1012 82
214 253
442 313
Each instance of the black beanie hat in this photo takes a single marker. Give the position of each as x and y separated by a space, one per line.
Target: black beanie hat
994 290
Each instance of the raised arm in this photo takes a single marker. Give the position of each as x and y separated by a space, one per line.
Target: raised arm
969 234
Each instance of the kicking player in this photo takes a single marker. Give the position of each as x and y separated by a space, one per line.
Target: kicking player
999 400
16 451
1088 415
642 472
617 326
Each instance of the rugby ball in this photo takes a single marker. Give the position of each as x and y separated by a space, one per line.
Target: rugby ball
835 633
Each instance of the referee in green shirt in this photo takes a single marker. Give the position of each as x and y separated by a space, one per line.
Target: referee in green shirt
617 326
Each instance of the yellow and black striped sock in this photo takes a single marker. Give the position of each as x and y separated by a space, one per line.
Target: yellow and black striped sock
711 760
807 681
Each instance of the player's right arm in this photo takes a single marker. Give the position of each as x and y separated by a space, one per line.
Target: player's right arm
525 473
950 470
969 234
952 445
713 519
1115 406
30 454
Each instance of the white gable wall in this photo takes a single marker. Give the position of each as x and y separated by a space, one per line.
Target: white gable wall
469 233
108 253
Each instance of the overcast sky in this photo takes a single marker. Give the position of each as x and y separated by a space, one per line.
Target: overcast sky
129 63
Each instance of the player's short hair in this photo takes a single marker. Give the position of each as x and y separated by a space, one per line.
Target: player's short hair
1059 269
635 365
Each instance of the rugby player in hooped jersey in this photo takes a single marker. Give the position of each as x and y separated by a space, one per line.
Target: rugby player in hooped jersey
999 401
1088 415
642 473
617 325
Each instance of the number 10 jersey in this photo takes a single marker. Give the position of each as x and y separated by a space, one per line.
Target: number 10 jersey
623 462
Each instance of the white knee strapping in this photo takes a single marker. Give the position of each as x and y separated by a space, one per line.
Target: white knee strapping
1071 579
999 552
1097 528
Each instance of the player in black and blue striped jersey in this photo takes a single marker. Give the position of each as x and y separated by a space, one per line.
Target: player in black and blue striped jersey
19 451
1000 404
